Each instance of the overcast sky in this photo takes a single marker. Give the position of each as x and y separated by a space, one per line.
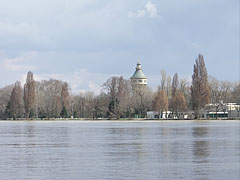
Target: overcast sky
85 42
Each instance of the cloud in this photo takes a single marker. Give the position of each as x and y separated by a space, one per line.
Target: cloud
103 37
150 9
20 63
139 13
21 31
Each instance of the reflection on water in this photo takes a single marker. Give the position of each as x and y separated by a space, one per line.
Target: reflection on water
130 148
119 150
201 152
201 144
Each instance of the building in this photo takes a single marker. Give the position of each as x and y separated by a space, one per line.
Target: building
157 115
139 85
222 110
138 78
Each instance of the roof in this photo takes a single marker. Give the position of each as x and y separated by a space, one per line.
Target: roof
138 74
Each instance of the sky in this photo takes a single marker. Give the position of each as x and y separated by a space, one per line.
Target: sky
84 42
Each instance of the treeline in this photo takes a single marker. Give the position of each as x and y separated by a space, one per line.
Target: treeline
118 98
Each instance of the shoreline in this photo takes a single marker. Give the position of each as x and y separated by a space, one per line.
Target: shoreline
119 120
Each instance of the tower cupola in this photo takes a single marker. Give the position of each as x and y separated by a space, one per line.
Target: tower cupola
138 77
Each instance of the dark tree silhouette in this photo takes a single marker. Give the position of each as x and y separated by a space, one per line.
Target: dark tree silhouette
175 84
16 100
29 94
65 100
200 91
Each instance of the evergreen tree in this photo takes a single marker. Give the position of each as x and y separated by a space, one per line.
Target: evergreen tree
8 113
64 113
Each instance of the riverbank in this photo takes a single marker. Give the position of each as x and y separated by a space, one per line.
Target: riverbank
120 120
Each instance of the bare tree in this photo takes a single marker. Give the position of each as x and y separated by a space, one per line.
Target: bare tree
160 102
220 92
119 98
124 94
118 90
172 104
179 103
102 105
29 94
200 91
185 89
226 88
141 100
5 94
48 98
236 93
169 88
163 79
112 87
215 95
81 104
88 105
16 101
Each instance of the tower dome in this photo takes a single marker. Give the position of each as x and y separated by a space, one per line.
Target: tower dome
138 77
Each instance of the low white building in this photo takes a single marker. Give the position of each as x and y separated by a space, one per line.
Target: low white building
222 110
156 115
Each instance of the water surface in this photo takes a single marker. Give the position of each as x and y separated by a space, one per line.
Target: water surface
119 150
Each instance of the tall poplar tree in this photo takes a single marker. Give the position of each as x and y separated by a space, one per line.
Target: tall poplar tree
200 91
65 100
163 79
16 100
29 94
175 84
173 100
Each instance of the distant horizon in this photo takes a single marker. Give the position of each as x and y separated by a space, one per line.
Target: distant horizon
86 42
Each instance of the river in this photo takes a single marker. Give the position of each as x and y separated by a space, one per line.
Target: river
144 150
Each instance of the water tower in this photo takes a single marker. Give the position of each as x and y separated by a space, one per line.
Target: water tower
138 78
